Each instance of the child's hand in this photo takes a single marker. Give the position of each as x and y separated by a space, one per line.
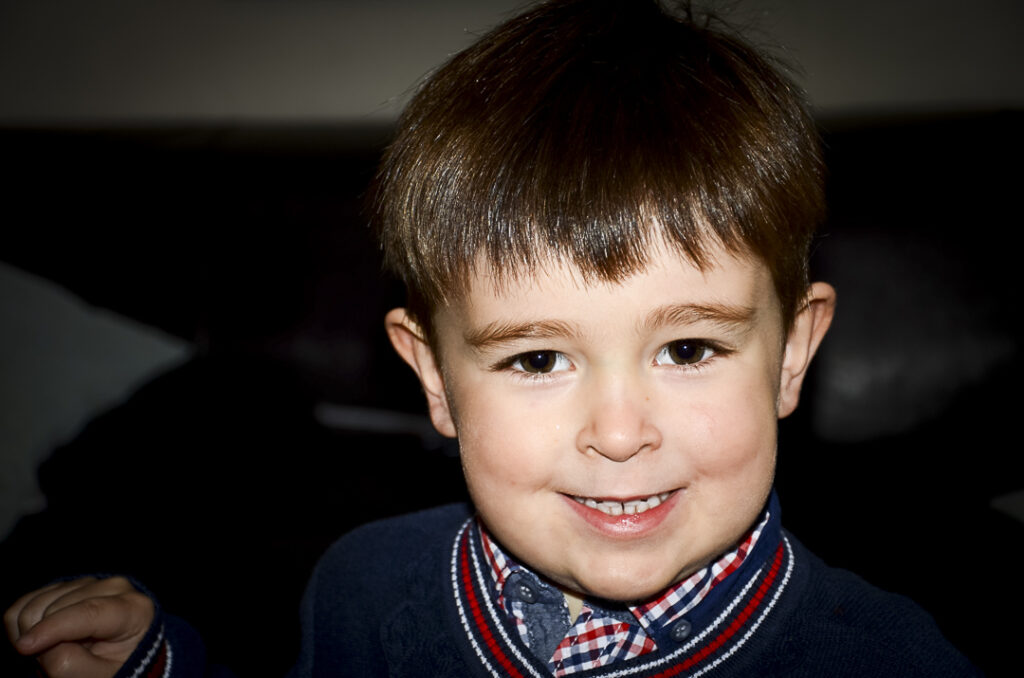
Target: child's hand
83 628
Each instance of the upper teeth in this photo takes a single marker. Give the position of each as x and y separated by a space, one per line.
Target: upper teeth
618 508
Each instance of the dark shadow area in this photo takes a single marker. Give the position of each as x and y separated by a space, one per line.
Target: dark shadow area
220 483
906 432
216 487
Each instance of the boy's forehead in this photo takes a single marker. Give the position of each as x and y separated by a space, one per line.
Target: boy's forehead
739 284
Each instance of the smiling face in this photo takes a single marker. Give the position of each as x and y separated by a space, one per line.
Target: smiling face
616 437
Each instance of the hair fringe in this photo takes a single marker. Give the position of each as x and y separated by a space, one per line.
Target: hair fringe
587 132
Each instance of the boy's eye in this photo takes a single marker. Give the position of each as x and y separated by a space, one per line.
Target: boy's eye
540 362
683 352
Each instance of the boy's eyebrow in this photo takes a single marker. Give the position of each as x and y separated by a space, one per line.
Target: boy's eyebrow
503 332
724 315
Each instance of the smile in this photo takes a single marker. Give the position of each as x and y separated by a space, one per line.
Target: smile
628 508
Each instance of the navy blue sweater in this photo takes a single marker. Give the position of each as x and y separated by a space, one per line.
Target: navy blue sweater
409 597
401 597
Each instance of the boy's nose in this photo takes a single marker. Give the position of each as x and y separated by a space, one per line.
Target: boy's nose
618 427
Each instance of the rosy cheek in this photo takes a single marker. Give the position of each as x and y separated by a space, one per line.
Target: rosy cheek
502 445
727 441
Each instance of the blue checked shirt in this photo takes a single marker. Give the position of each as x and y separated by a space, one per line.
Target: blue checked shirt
605 632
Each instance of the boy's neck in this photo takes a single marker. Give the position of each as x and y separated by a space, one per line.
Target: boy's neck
575 604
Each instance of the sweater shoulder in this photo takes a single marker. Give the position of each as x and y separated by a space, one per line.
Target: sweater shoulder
368 579
401 536
843 622
382 556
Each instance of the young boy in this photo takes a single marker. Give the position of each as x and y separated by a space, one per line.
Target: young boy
602 213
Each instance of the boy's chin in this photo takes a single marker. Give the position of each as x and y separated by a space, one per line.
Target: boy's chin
623 588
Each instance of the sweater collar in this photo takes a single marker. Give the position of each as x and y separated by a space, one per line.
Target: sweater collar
725 620
654 614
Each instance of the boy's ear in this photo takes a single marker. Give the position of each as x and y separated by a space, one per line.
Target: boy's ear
407 338
809 328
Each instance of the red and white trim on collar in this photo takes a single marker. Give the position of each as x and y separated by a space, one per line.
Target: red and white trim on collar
495 641
600 638
158 660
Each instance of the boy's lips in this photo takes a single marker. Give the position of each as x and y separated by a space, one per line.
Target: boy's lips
622 518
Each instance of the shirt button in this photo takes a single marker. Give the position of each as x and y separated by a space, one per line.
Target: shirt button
526 594
681 631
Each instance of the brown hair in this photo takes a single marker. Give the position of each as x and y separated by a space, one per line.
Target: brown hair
584 130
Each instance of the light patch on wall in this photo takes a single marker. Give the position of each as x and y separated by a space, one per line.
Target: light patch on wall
1011 504
62 362
908 337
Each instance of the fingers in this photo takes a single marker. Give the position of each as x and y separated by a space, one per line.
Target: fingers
86 628
80 590
71 660
28 610
84 609
107 621
31 608
13 613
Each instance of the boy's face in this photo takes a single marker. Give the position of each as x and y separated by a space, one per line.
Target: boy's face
665 386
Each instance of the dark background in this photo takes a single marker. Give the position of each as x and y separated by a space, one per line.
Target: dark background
199 172
219 482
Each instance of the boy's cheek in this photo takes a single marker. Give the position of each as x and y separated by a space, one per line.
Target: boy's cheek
735 461
485 411
508 453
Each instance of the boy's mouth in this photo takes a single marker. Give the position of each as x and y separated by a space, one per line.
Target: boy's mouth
619 508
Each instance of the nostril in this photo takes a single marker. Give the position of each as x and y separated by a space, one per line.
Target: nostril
619 425
620 449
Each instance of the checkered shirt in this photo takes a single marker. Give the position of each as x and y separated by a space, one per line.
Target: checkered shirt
603 635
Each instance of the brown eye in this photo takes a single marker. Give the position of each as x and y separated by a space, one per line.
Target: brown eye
539 362
683 352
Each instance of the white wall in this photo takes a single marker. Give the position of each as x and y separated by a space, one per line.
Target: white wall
295 60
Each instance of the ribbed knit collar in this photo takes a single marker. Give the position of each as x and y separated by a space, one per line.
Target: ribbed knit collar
658 611
724 620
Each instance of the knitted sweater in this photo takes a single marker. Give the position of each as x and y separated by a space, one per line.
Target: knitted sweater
407 597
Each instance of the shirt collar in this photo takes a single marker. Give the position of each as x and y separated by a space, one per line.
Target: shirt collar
652 614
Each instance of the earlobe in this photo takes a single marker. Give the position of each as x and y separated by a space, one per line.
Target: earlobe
809 328
407 338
